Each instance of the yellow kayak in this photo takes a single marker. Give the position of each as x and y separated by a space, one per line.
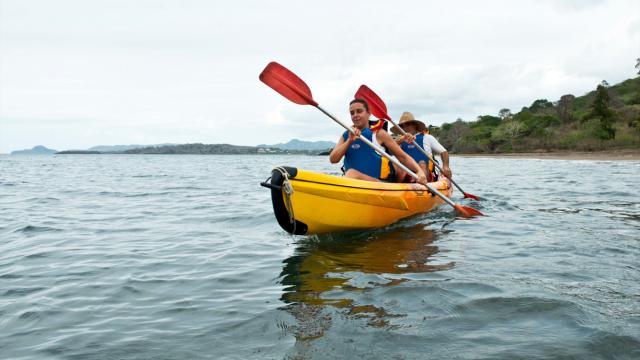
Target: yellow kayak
306 202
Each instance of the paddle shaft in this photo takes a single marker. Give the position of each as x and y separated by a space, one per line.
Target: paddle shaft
391 158
427 155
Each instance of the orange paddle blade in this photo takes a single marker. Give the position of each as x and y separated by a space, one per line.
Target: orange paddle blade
467 211
470 196
287 84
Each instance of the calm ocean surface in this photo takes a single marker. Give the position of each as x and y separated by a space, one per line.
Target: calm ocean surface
180 257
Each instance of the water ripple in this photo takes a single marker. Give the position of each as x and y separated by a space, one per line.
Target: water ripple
162 258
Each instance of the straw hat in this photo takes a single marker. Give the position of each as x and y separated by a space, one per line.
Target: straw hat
408 118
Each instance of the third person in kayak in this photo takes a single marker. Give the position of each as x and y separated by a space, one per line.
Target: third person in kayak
417 135
360 160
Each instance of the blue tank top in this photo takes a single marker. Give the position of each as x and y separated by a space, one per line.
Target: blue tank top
413 151
361 156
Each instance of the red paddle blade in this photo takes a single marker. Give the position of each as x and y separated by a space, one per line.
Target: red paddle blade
471 196
376 105
287 84
467 211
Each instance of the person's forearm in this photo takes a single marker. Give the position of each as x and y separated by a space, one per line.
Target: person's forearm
408 161
423 166
445 159
338 152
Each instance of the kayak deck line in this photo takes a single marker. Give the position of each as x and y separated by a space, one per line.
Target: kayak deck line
359 187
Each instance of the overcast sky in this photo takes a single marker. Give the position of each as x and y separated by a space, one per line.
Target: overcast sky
74 74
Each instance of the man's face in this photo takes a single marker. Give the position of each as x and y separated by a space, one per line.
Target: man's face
359 115
410 128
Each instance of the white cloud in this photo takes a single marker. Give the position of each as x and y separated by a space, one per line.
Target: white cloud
75 74
275 117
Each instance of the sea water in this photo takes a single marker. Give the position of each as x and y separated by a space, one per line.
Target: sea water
180 257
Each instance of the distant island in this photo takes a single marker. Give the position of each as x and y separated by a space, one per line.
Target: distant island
199 149
119 148
221 149
100 149
78 152
294 146
36 150
607 118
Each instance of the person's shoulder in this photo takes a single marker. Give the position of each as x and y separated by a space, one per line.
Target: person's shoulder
383 134
431 139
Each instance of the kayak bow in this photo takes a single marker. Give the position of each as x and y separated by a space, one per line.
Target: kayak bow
306 202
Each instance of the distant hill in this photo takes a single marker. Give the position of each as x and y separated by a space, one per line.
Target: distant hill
121 148
208 149
168 149
604 119
36 150
296 144
78 152
195 149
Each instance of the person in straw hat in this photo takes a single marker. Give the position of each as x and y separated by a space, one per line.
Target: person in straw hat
417 134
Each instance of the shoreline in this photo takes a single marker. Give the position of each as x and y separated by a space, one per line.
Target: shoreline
626 154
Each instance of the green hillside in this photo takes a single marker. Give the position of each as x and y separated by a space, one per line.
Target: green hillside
214 149
604 119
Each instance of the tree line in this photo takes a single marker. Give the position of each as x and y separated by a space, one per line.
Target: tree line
606 118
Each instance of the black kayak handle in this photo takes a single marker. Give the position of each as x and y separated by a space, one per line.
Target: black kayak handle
270 186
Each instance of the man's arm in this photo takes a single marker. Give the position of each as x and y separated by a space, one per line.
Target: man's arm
404 138
446 171
437 148
405 159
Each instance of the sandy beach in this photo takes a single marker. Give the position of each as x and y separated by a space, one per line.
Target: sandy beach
627 154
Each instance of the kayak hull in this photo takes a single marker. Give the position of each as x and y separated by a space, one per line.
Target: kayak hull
322 203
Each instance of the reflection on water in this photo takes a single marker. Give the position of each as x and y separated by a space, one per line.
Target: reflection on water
333 270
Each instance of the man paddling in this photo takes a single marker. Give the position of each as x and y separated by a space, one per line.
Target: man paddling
416 135
361 161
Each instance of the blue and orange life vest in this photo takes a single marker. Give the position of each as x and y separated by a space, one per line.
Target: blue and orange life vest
363 158
412 149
